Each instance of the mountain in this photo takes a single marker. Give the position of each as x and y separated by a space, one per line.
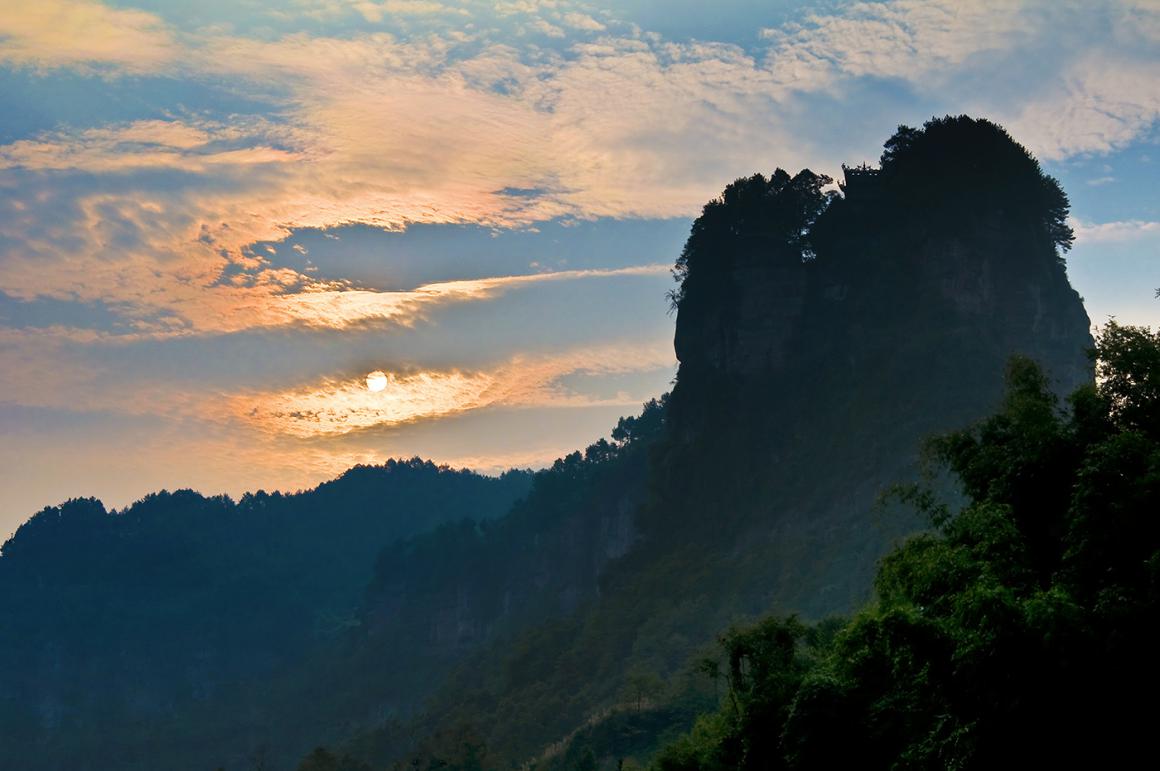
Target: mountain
822 336
117 621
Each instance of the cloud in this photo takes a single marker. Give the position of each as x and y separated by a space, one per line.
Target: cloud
377 11
164 308
79 369
905 39
339 406
545 27
1097 99
373 11
159 217
1104 96
1125 230
45 372
1101 103
337 308
391 113
582 21
84 35
195 148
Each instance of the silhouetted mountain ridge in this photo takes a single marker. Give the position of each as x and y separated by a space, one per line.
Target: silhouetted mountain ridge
120 618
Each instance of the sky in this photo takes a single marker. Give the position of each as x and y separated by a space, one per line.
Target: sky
218 216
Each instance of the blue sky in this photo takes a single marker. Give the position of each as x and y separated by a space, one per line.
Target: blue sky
217 217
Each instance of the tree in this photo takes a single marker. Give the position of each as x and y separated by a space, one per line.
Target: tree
711 668
771 214
974 165
641 686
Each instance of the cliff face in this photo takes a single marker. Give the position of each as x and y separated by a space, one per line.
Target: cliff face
755 334
1035 312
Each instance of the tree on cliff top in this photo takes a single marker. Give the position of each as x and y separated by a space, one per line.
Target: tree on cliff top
772 213
963 165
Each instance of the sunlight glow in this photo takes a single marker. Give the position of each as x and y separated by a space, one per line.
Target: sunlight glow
336 406
376 381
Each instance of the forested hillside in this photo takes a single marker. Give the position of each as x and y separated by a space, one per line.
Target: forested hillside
115 622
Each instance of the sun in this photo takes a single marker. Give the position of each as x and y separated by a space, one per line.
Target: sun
376 381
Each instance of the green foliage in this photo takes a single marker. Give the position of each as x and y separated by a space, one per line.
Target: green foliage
497 602
707 746
1018 633
642 686
587 760
1128 370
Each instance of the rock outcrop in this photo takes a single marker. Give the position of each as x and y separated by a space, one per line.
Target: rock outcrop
947 289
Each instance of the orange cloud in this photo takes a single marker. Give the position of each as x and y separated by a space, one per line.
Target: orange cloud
43 369
223 439
339 406
385 134
84 34
283 298
146 144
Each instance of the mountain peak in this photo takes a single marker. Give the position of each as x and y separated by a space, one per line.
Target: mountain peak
953 246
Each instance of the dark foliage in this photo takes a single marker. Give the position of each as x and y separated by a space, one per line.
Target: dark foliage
1019 633
774 213
973 168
